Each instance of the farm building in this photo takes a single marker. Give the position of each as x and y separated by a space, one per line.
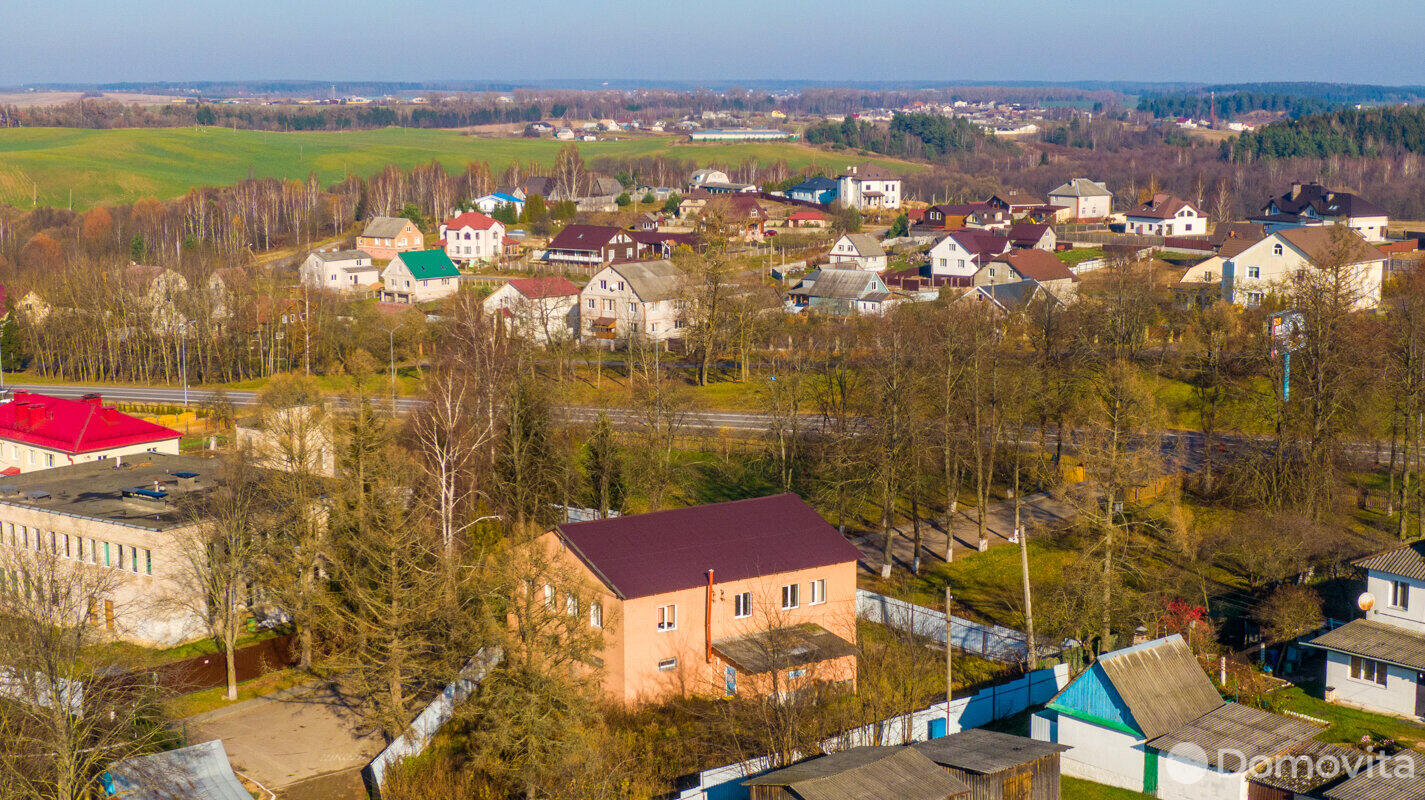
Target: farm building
861 773
998 766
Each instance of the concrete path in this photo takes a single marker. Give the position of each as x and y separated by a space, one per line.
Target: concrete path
1039 511
291 738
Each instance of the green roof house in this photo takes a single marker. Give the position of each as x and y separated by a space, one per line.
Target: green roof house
419 276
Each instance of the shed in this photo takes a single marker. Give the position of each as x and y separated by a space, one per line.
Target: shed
861 773
196 772
998 766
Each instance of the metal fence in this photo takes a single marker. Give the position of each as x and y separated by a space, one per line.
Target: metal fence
992 642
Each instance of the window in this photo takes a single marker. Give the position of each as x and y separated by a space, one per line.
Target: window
107 562
1254 272
79 547
668 665
67 553
791 596
603 284
120 562
1276 249
571 605
32 457
596 615
793 674
620 286
1399 595
667 617
1364 669
93 551
818 591
742 605
147 562
49 459
1254 298
548 596
592 303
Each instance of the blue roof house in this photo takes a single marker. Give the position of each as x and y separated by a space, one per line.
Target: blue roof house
814 190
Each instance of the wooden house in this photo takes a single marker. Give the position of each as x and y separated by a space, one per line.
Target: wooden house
998 766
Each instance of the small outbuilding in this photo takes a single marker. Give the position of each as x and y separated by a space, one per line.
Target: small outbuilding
861 773
998 766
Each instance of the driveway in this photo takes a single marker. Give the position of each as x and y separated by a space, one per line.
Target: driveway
292 737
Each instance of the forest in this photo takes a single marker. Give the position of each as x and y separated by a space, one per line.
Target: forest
928 136
1230 105
1349 132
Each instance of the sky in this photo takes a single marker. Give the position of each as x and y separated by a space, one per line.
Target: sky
1209 41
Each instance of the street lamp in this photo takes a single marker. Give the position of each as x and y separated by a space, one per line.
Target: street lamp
183 358
392 336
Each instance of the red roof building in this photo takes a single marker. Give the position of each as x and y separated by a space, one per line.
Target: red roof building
39 431
702 596
540 288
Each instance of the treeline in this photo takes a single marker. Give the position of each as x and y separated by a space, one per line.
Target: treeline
101 113
927 136
1231 105
1348 132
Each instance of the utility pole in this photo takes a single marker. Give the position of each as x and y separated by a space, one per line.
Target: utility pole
949 661
1030 651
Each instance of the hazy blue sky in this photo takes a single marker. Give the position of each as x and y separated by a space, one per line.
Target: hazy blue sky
1367 41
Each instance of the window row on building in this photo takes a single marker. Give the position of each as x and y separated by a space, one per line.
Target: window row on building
137 560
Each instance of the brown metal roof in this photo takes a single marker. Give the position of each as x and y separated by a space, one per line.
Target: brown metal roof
985 752
867 773
1233 734
1162 684
1407 561
1362 637
782 648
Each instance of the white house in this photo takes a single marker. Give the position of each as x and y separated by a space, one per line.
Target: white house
707 175
1378 663
961 253
1166 215
1147 719
639 298
487 204
1084 198
543 310
346 271
472 237
868 187
419 276
1269 265
859 250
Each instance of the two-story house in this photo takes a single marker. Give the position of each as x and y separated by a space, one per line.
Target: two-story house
1166 215
1085 199
868 187
637 298
345 271
749 596
384 237
419 277
589 247
1269 265
1378 662
843 292
1307 204
859 251
543 309
1030 264
472 237
819 189
1017 204
960 254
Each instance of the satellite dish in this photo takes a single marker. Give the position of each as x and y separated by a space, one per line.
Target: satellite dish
1366 601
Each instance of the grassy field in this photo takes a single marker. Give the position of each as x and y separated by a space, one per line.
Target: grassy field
1075 789
114 166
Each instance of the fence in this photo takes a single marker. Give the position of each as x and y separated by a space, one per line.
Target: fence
211 670
988 704
993 642
430 720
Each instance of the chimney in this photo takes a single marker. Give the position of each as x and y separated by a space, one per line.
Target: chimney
92 398
1140 635
707 620
1295 189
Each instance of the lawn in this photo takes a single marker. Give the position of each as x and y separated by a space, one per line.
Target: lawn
123 165
1348 725
1075 789
187 705
1079 254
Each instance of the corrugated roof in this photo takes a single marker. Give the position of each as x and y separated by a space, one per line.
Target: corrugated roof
867 773
647 554
865 244
1161 683
470 219
1390 780
428 264
584 237
340 255
196 772
1233 734
1161 206
548 286
1320 244
1363 637
1037 265
836 283
652 280
1407 561
1081 187
1308 767
782 648
385 227
75 426
985 752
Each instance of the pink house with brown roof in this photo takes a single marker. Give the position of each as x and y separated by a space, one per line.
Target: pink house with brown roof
750 596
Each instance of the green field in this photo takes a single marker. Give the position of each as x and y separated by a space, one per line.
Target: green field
119 166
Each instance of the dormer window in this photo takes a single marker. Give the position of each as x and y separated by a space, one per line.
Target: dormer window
1276 249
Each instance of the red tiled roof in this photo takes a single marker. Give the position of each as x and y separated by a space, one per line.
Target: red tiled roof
75 426
536 288
470 219
649 554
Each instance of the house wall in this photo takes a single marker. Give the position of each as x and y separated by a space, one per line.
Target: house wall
1412 617
1084 207
607 294
145 605
472 244
948 258
1099 754
1180 779
1396 697
1276 271
30 458
539 320
397 280
410 238
333 275
1372 229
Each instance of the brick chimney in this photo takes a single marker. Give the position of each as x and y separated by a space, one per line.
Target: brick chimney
1295 189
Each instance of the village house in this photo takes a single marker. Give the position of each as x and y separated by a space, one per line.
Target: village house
820 190
489 203
1377 663
950 216
958 255
1039 266
1035 235
1310 204
1008 298
124 515
744 597
419 277
868 187
1201 285
858 250
1016 204
661 244
543 310
1166 215
1085 199
345 271
384 237
472 237
806 218
42 432
1146 718
1269 265
588 247
158 292
707 175
843 292
861 773
636 298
